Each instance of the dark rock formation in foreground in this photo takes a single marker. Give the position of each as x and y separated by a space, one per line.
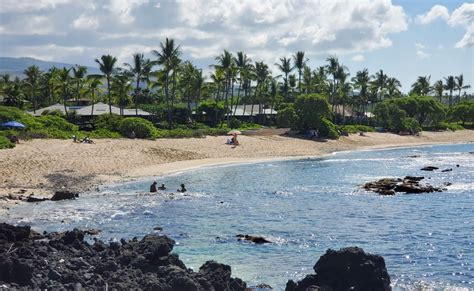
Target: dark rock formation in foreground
58 261
346 269
65 260
409 184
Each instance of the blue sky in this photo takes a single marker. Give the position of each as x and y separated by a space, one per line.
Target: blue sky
406 39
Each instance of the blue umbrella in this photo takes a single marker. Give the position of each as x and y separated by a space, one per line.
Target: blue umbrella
13 124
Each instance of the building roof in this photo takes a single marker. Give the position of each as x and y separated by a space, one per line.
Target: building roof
56 106
99 109
102 108
257 109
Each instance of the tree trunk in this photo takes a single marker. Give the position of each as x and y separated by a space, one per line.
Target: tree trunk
238 97
136 95
108 93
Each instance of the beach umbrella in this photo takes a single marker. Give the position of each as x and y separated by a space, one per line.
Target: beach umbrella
234 131
13 124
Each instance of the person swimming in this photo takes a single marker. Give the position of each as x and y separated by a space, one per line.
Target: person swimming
153 187
162 187
183 189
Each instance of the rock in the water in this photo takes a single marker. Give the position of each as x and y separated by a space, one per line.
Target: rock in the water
429 168
409 184
254 239
36 199
347 269
64 195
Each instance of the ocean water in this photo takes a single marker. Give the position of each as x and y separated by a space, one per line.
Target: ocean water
305 207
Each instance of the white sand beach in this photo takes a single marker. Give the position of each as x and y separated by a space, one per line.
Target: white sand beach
40 167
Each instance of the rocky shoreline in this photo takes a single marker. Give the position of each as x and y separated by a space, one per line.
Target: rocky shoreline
29 260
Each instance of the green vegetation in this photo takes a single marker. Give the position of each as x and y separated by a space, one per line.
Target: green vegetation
5 143
356 128
180 98
140 127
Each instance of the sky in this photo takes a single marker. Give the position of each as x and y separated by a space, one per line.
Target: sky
404 38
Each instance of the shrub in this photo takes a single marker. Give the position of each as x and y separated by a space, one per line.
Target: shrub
11 113
102 133
142 127
109 122
56 122
286 117
328 129
411 125
355 128
464 112
311 109
446 126
234 123
5 143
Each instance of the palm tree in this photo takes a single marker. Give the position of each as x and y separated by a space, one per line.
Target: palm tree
140 70
422 85
393 87
190 82
450 85
331 68
107 67
242 62
361 81
94 86
121 86
380 81
79 72
168 58
33 75
300 63
12 91
64 80
438 88
285 67
50 83
225 62
261 73
460 85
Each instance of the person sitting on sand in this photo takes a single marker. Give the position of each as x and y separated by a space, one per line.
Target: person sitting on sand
183 189
162 187
74 138
234 140
153 187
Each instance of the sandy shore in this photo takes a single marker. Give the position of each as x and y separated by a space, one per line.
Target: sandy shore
42 166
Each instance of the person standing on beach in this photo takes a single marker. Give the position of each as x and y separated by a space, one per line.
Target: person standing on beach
153 187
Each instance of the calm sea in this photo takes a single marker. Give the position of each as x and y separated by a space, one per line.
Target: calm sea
305 207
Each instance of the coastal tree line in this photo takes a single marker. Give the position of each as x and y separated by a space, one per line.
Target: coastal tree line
169 86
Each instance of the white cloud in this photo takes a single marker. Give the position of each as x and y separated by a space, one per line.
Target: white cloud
123 9
358 58
342 26
85 22
437 11
30 25
9 6
468 38
420 51
462 16
49 52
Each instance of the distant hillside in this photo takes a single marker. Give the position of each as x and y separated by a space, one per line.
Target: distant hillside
16 66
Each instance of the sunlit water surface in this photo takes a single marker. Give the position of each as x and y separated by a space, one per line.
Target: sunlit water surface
305 207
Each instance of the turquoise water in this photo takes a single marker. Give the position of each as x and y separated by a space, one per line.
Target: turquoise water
305 207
